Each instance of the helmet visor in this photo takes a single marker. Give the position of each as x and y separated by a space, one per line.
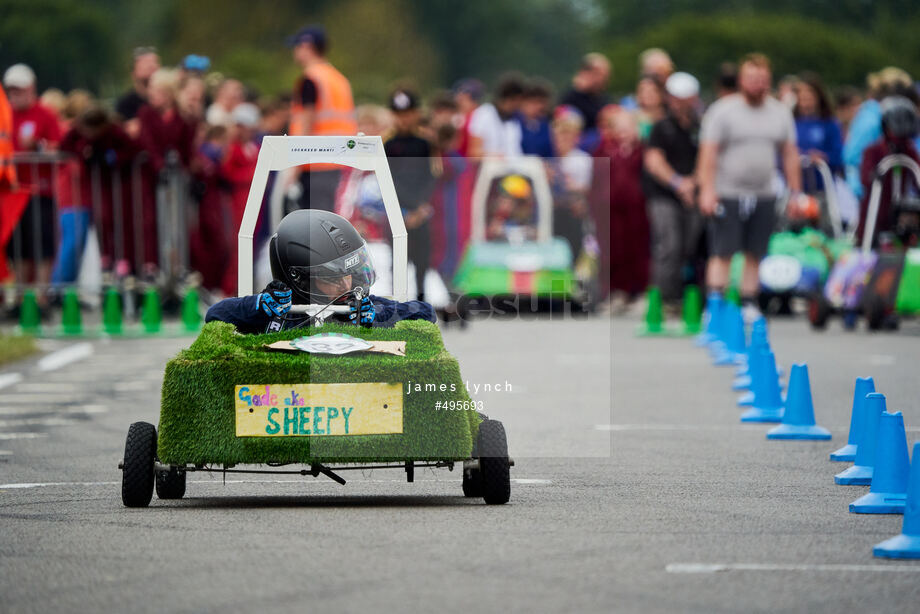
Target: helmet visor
336 279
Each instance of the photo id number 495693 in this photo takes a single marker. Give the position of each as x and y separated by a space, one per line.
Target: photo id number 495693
459 405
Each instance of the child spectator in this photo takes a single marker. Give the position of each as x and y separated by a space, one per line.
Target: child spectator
163 129
570 177
534 120
237 169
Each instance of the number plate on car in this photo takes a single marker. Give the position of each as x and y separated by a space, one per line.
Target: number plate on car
309 410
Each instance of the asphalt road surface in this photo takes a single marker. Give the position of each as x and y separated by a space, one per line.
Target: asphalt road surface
636 489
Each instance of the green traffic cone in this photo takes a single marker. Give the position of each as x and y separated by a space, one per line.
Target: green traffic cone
191 317
654 316
152 315
71 320
692 310
733 296
111 312
29 316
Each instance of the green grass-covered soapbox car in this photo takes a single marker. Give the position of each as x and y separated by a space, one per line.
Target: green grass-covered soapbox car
233 400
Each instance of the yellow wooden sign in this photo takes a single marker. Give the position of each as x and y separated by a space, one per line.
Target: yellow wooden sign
309 410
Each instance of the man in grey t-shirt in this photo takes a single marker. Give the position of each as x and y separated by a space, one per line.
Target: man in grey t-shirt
741 138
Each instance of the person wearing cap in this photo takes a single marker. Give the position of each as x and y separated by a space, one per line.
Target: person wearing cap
670 188
322 105
36 129
410 158
145 62
741 138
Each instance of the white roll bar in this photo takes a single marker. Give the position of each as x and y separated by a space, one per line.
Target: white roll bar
830 193
364 153
875 195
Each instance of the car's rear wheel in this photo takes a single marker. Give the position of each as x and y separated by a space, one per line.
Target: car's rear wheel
494 463
819 310
137 475
472 478
170 484
875 310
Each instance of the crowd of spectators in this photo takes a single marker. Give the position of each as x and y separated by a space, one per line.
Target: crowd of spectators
623 172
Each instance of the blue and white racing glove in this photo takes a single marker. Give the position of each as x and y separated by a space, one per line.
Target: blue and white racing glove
275 300
362 313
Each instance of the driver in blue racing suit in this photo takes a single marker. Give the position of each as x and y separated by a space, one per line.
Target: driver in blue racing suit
317 258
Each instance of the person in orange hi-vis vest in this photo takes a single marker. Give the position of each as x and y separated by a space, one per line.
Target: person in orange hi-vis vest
322 105
7 170
12 200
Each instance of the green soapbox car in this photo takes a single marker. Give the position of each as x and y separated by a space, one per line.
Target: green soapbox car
232 399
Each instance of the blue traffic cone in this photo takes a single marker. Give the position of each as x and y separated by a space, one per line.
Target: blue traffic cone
799 416
861 471
907 544
758 342
864 385
888 493
768 404
733 352
714 302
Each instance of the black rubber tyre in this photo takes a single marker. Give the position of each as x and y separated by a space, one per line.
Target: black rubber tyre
875 310
472 478
137 469
819 310
170 484
494 464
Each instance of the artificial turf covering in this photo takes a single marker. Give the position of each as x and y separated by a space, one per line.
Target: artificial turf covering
197 417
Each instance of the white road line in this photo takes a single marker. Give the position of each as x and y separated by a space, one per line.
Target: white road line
77 409
46 421
22 435
40 398
703 427
5 453
303 480
678 427
132 386
64 357
8 379
701 568
42 387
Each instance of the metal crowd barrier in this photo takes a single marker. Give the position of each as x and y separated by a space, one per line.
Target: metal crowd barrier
138 217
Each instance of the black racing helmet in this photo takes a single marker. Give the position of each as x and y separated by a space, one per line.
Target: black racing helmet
320 256
899 117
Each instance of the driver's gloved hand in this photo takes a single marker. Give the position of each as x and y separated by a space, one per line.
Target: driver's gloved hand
275 300
362 312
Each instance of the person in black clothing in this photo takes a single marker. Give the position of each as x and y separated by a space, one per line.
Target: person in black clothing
670 189
409 156
588 95
145 63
